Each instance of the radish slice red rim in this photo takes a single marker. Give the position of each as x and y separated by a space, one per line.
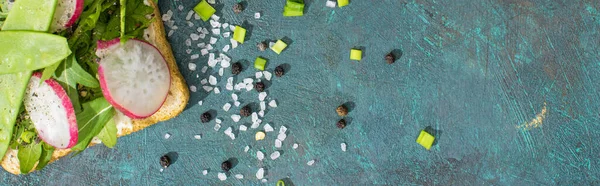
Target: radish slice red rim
51 112
134 76
66 13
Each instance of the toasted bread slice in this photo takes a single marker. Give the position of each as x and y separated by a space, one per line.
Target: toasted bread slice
176 100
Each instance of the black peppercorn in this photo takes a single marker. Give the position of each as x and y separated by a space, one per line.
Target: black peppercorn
238 8
206 117
246 111
259 86
279 71
341 123
165 161
389 58
342 110
226 165
262 46
236 68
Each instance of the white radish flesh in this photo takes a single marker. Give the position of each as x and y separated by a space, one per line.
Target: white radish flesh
65 14
51 112
134 76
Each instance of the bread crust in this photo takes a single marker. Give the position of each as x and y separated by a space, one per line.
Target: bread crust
175 103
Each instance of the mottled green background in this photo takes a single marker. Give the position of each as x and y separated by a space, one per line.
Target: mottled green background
472 70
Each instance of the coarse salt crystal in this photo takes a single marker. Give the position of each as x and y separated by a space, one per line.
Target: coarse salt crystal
170 33
198 136
243 128
226 64
214 16
229 86
214 23
167 135
262 106
226 107
234 43
218 121
232 27
193 88
236 118
204 68
216 90
295 146
278 143
202 36
195 56
271 44
230 79
221 72
268 75
262 96
281 136
222 176
261 113
255 125
180 7
282 129
203 81
190 24
226 48
264 180
272 103
200 102
229 130
330 4
188 42
226 34
236 103
258 75
209 47
192 66
310 163
249 87
212 80
194 36
257 15
225 25
196 16
212 63
343 145
247 148
167 16
213 40
207 88
188 51
268 128
204 30
204 52
248 80
260 173
216 31
254 117
204 172
275 155
239 176
260 155
217 127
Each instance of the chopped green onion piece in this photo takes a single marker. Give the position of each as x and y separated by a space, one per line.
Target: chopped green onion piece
204 10
239 34
355 54
279 46
295 5
260 63
342 3
289 12
294 8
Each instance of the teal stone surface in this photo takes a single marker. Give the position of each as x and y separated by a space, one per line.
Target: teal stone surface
507 87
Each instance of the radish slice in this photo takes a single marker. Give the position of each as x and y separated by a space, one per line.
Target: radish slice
51 112
134 76
65 14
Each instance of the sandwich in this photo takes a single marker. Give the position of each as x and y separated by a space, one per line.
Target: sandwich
75 74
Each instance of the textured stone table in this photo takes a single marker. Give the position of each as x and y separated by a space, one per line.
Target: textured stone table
509 87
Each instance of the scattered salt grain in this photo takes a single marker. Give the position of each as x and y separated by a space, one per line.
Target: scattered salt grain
310 163
226 34
188 51
254 117
203 81
295 146
257 15
268 75
213 40
204 172
234 97
195 56
222 176
262 106
180 7
167 135
249 87
226 48
239 176
188 42
221 72
229 86
264 180
248 80
196 16
217 91
212 63
200 102
271 44
211 1
215 24
255 125
236 103
193 88
281 136
216 31
198 136
225 25
167 16
204 52
273 104
194 36
262 96
232 27
214 16
234 43
192 66
229 130
190 24
261 113
258 75
236 118
218 121
330 4
207 88
278 143
260 155
243 128
170 33
217 127
247 148
282 129
343 145
268 128
275 155
209 47
260 173
212 80
226 107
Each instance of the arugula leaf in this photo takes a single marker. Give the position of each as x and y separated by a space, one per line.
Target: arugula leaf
45 157
108 134
71 73
91 120
28 155
48 71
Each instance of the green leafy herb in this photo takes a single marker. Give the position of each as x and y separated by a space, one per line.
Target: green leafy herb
45 157
122 16
71 73
91 120
108 134
28 155
48 71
